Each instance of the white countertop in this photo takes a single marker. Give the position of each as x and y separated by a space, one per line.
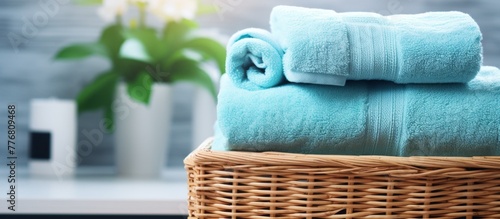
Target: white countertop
95 190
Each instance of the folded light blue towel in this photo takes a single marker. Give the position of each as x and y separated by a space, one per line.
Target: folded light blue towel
375 118
325 47
254 59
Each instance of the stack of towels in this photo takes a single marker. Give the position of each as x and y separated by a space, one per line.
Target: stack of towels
357 83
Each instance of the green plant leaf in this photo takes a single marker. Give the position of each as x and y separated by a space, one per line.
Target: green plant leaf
112 38
169 61
99 93
140 88
209 48
129 69
174 35
109 116
144 40
88 2
135 49
157 73
81 50
189 71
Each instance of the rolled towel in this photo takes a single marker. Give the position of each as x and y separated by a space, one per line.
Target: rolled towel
363 118
325 47
254 59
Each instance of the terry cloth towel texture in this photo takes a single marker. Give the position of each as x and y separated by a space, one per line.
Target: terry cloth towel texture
324 47
363 118
254 59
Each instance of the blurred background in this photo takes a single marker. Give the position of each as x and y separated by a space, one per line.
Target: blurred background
28 70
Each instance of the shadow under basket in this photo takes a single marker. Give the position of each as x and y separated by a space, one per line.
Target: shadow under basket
286 185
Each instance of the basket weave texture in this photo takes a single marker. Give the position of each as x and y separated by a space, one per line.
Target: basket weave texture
285 185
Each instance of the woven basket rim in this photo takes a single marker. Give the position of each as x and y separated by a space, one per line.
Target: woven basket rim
204 154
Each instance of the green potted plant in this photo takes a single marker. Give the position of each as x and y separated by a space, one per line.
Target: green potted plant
135 92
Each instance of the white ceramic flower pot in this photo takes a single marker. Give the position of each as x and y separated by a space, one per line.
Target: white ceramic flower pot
142 132
204 117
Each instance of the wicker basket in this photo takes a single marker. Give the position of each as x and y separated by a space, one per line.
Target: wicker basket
285 185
